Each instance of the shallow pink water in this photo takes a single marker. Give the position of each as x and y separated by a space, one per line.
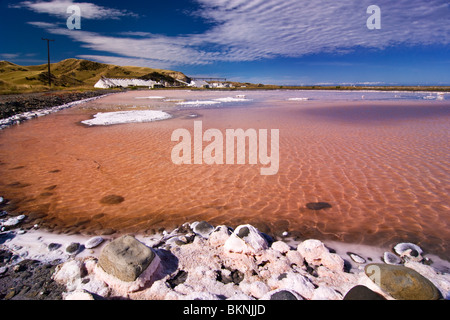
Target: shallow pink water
382 166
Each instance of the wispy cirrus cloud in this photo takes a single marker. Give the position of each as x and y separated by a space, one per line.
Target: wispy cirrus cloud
249 30
59 7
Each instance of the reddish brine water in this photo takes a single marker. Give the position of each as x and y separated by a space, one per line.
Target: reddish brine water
382 166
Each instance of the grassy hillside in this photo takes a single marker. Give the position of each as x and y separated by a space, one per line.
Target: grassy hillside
71 74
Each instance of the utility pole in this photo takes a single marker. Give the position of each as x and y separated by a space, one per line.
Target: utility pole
48 52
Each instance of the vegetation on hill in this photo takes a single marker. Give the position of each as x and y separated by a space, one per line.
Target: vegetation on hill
71 74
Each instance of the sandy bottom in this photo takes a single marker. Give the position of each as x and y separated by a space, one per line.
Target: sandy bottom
383 168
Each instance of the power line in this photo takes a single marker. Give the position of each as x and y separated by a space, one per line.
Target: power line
48 52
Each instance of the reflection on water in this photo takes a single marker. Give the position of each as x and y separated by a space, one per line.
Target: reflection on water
385 180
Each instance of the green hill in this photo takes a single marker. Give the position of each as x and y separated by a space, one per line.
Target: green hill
72 74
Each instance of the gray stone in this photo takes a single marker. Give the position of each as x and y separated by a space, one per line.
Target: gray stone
73 247
391 258
125 258
53 246
93 242
404 246
202 228
402 283
362 293
283 295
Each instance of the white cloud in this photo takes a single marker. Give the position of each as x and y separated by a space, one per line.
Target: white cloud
248 30
59 8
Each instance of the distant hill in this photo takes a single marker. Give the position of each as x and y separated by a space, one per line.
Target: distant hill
72 74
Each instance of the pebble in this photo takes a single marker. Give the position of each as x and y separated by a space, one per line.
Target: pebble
409 251
11 222
357 258
391 258
53 246
73 247
402 247
3 270
93 242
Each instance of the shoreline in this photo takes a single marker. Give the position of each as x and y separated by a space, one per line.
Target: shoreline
198 253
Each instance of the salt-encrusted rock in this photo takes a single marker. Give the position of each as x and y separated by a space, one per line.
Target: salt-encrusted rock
200 296
391 258
315 253
126 258
293 281
219 236
325 293
202 228
402 283
240 296
356 257
69 274
409 251
404 246
362 293
295 257
246 239
412 255
93 242
255 289
11 222
78 295
281 246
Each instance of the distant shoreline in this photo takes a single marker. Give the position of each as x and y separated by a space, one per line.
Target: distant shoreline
243 87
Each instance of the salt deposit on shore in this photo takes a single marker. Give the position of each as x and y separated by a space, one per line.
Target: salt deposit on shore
110 118
217 101
18 118
200 261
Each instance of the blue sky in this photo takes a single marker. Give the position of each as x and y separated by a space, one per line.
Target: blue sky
289 42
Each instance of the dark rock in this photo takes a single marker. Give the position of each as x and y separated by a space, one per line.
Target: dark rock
362 293
283 295
234 276
203 228
402 283
243 232
318 205
30 280
73 247
53 246
112 199
179 278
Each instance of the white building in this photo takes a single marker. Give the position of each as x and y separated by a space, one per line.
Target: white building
199 84
220 85
106 83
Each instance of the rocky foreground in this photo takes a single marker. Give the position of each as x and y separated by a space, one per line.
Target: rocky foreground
15 109
200 261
